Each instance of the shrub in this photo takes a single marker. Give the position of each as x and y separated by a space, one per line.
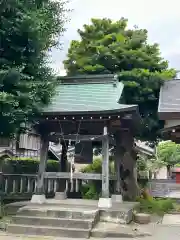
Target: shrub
92 189
89 191
27 165
158 206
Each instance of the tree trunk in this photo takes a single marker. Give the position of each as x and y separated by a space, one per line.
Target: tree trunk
168 171
128 169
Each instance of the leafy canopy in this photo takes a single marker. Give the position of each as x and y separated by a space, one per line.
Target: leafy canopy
168 152
28 29
107 47
149 163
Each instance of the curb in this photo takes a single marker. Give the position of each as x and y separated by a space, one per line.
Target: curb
103 234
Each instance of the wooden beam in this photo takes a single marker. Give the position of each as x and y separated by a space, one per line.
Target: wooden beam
74 137
175 134
79 175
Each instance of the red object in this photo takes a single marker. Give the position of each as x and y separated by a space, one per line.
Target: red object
177 174
177 177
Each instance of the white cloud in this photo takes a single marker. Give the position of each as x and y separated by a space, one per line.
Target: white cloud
160 18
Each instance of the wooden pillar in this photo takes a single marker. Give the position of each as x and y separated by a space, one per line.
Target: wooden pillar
105 165
105 201
1 192
61 183
119 151
42 165
63 163
1 184
117 164
39 196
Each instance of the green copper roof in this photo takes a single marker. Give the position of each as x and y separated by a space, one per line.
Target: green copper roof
87 94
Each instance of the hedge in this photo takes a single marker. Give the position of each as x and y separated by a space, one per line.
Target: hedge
26 165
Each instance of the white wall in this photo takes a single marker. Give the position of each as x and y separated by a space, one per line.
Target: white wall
162 173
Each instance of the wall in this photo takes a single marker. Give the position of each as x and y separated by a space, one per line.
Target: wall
162 173
26 145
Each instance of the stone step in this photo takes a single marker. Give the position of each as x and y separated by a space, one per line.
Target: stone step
48 231
58 213
117 231
116 216
73 202
53 222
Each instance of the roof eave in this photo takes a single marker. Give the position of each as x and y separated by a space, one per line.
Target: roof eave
99 112
84 79
168 115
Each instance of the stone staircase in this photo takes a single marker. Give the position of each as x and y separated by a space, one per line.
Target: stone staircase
73 218
54 221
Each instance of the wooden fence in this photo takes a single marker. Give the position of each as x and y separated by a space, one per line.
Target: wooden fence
22 186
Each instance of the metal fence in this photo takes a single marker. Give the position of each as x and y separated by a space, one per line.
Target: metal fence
164 188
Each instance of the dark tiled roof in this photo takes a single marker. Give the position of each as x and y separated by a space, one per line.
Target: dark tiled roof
86 94
169 100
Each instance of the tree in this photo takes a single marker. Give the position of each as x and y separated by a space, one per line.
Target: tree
107 47
169 153
28 30
149 164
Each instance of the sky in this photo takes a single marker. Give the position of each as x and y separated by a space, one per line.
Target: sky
160 18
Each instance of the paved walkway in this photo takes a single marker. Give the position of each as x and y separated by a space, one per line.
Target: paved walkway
169 229
162 232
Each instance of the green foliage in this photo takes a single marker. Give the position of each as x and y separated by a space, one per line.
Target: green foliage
89 191
142 162
149 163
27 166
168 152
148 204
157 206
28 29
107 47
96 166
92 189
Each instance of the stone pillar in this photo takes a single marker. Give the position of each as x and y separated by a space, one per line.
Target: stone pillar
39 196
105 200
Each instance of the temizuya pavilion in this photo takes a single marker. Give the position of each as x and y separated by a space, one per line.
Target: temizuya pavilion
88 108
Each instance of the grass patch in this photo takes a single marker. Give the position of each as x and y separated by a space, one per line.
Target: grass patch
176 207
155 206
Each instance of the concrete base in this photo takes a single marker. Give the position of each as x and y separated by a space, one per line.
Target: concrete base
171 219
38 199
117 198
106 230
105 203
142 218
60 196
